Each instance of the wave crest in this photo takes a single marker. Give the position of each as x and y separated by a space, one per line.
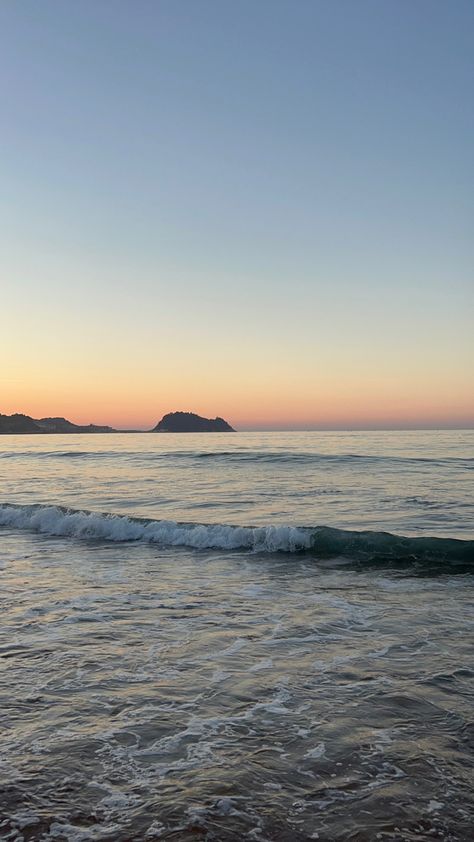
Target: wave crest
321 541
56 520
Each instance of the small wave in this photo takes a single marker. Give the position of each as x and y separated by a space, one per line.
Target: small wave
361 460
320 541
422 501
290 455
62 454
375 547
56 520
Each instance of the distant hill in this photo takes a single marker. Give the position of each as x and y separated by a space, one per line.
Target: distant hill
62 425
173 422
24 424
18 424
189 422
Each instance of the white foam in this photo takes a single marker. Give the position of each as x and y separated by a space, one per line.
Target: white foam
317 751
264 664
62 829
435 806
53 520
219 675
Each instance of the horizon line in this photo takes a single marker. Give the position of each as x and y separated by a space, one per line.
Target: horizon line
466 426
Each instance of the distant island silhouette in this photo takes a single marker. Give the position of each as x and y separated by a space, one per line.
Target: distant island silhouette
189 422
173 422
19 423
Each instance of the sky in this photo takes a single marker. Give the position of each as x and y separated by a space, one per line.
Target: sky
259 210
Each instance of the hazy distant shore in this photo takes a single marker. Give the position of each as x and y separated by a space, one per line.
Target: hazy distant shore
172 422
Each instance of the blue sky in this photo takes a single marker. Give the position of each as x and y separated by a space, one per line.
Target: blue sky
290 183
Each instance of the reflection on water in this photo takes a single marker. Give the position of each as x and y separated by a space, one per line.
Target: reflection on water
172 694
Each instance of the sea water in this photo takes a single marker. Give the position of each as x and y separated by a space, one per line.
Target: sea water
197 642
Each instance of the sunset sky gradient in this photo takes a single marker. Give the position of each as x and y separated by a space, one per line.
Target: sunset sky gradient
261 210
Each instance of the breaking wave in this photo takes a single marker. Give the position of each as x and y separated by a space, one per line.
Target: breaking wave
319 541
56 520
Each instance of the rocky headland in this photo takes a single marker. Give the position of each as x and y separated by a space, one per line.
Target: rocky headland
189 422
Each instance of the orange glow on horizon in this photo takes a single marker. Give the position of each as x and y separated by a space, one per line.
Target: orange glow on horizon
294 389
268 415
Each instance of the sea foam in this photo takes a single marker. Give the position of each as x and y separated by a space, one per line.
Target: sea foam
56 520
321 541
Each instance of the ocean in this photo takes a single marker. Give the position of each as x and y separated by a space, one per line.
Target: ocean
250 636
